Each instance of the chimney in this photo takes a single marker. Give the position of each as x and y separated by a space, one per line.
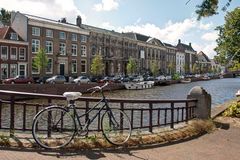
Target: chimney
179 41
79 21
64 20
190 44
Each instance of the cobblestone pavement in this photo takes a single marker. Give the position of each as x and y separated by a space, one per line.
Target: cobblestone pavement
224 143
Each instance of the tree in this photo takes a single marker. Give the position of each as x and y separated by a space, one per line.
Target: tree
154 68
131 66
97 66
5 17
40 61
209 8
228 48
195 68
171 67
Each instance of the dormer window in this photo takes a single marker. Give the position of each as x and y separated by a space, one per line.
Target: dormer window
13 36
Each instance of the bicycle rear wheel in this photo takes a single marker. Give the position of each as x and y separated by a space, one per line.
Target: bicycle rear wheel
53 127
116 126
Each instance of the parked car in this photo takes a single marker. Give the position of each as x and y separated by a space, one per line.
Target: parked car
125 79
41 80
18 80
160 78
81 79
168 77
56 79
105 79
138 79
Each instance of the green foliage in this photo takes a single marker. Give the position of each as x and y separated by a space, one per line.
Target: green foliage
176 76
228 47
5 17
235 66
209 8
233 110
154 68
131 66
171 67
97 66
40 61
195 68
4 141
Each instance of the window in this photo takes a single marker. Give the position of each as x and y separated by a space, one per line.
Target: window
83 38
62 35
49 68
13 70
4 52
49 33
22 53
35 69
22 69
35 45
49 47
74 37
13 36
83 51
83 66
4 71
62 49
35 31
74 66
13 54
74 50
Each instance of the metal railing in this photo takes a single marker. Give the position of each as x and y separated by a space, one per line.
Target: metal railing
17 114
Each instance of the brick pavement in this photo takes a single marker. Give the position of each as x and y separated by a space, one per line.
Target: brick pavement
224 143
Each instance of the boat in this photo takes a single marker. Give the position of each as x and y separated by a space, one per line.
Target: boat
139 85
188 80
238 93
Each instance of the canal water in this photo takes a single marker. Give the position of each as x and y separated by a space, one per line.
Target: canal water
221 90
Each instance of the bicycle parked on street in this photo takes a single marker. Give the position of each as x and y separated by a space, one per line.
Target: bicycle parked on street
55 126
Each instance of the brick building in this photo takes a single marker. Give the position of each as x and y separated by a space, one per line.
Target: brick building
14 54
71 48
66 44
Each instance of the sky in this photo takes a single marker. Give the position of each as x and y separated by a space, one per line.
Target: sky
167 20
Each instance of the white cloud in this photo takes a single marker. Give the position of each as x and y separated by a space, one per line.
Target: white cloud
106 5
210 36
208 48
205 26
170 33
53 9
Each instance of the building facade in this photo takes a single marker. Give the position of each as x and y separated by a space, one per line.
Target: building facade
66 45
14 54
71 48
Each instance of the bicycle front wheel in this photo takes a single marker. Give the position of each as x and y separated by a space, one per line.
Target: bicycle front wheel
53 127
116 126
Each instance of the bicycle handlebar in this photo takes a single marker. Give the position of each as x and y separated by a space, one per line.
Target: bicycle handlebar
97 88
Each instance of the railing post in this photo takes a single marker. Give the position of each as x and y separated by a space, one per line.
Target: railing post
187 112
24 116
12 116
0 113
121 116
172 114
150 117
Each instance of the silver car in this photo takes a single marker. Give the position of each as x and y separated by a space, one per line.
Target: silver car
81 79
56 79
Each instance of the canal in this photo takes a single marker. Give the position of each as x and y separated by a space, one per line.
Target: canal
221 90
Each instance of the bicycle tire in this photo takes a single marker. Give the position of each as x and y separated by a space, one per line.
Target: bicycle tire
116 126
53 136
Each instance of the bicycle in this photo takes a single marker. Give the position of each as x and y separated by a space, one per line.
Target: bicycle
55 127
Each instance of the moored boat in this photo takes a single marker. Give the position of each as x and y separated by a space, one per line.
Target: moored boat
188 80
238 93
139 85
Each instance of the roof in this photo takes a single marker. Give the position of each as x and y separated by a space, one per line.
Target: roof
202 55
3 32
169 45
183 47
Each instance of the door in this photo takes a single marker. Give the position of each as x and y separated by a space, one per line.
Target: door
62 67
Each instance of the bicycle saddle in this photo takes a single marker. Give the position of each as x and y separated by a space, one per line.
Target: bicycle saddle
72 95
